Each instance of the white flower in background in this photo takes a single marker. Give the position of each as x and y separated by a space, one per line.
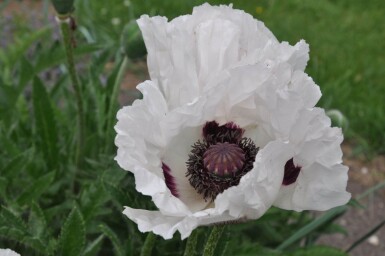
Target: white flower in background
211 138
8 252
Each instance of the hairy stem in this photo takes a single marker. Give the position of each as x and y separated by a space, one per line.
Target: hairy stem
68 44
212 242
190 249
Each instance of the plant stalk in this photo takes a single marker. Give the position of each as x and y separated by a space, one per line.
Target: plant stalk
212 242
190 249
68 44
148 245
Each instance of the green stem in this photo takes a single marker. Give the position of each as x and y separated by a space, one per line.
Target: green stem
212 242
67 39
190 249
148 245
114 97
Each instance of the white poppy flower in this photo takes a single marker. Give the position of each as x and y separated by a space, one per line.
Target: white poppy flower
8 252
210 140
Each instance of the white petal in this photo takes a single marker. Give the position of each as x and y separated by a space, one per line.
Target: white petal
176 156
258 189
321 188
154 221
166 226
8 252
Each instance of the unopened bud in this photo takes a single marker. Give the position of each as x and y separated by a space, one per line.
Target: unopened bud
132 41
63 7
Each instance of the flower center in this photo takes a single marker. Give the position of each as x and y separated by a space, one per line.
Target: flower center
223 159
291 173
220 160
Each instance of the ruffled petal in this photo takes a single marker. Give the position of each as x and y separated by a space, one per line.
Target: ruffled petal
8 252
166 226
322 179
321 188
258 189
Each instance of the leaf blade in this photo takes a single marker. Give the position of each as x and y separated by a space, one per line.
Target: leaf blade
73 234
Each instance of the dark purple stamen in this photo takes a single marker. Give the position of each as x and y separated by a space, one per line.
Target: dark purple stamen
291 173
229 132
170 180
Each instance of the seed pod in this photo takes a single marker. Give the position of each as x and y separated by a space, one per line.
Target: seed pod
63 7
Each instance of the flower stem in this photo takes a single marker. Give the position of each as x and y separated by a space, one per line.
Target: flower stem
190 249
212 242
148 245
68 44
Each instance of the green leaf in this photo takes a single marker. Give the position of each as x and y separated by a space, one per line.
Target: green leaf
37 221
3 187
371 190
11 220
315 224
45 124
27 72
15 166
94 247
118 248
8 97
11 233
36 189
11 54
73 234
116 193
56 55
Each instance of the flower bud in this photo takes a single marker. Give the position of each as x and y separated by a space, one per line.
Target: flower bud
63 7
132 41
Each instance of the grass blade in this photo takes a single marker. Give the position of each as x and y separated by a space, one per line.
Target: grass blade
364 237
304 231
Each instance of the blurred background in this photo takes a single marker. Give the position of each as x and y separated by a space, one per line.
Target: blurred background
347 60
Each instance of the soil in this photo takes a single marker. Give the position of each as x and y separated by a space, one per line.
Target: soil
363 174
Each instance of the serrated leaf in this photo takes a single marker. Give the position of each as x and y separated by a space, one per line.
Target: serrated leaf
36 189
11 220
118 248
45 124
14 166
11 233
73 234
94 247
116 193
37 221
35 243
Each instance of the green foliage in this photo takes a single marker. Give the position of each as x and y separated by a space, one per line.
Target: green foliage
40 181
45 124
73 234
